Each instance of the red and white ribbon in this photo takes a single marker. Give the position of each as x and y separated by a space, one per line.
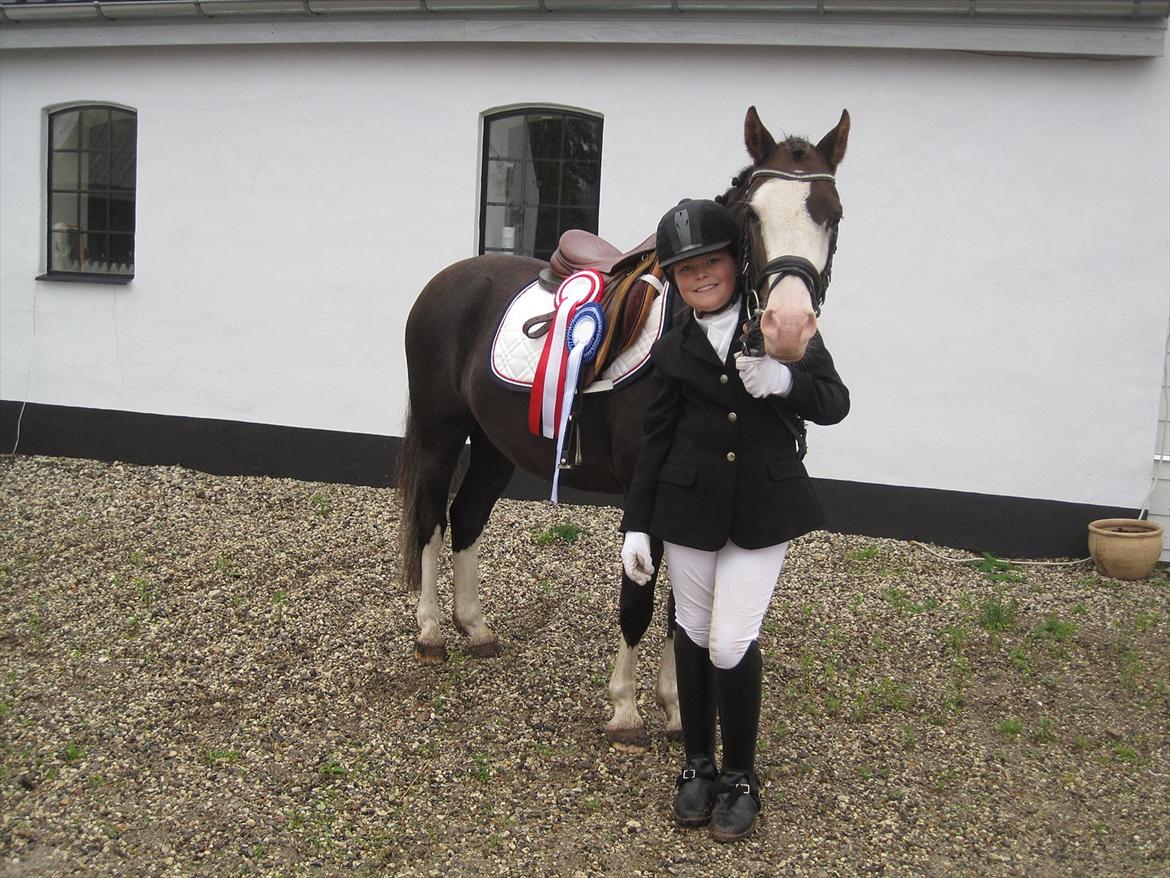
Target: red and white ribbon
546 403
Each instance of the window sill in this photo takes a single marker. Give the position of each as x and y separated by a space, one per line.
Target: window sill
81 277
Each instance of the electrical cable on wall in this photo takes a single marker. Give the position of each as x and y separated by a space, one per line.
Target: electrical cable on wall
32 347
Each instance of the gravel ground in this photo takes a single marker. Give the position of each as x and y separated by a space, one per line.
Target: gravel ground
213 676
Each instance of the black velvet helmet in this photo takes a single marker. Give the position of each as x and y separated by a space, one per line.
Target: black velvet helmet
693 227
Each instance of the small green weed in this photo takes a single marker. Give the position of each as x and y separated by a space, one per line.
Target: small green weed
213 756
866 554
566 532
1011 727
332 768
1044 732
321 505
996 615
1124 752
280 601
145 596
481 772
226 567
998 569
1053 628
898 600
73 751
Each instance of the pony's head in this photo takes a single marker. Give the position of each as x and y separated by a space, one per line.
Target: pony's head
788 209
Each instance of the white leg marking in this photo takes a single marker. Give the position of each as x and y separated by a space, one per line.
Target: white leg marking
468 613
428 598
666 688
626 726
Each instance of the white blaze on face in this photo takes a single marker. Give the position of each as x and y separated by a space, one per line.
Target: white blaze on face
787 229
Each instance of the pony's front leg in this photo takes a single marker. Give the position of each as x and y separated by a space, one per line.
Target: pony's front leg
625 729
468 612
430 647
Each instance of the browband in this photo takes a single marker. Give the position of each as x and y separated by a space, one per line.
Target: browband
791 175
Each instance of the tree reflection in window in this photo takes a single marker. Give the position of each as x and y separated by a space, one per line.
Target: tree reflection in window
91 186
541 176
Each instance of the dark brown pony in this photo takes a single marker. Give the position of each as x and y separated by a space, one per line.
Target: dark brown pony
788 205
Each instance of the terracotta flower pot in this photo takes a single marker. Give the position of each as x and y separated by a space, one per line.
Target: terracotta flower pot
1125 548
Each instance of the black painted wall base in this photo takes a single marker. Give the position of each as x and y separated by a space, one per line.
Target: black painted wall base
1012 527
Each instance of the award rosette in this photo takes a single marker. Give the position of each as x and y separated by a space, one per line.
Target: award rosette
549 387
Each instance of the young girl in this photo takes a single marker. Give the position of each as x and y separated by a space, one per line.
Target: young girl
720 481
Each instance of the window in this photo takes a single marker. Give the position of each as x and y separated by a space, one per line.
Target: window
91 170
541 176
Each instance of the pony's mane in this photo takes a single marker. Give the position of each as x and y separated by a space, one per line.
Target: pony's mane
798 147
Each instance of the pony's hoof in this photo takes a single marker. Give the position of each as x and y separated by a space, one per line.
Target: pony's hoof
629 740
430 653
674 733
487 649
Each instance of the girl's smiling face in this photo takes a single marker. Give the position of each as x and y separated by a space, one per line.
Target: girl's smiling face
706 282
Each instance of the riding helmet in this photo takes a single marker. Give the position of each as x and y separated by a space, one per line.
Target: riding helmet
693 227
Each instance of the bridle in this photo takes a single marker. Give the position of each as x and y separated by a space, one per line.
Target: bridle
782 266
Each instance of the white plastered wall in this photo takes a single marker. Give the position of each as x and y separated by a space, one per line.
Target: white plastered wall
1000 296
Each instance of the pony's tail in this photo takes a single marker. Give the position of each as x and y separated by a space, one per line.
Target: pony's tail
409 545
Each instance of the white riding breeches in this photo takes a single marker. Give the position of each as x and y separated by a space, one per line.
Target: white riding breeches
720 598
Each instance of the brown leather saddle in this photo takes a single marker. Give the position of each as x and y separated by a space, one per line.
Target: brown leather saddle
627 297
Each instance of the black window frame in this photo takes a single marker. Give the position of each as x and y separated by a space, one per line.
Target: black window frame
84 190
564 159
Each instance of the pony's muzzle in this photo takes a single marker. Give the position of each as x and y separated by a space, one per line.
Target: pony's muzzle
788 321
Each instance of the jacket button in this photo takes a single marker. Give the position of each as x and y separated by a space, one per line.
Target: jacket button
722 379
732 416
731 456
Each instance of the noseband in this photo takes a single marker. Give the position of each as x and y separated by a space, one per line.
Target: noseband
782 266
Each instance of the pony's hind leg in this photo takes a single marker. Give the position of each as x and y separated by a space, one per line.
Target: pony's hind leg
666 685
486 478
429 459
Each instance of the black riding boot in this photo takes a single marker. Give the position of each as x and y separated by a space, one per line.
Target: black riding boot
737 792
695 787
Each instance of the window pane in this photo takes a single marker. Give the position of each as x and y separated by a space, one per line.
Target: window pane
499 181
95 128
95 209
99 169
96 253
122 253
580 185
583 139
494 223
548 181
123 130
63 211
507 138
544 136
122 170
121 212
64 170
579 218
65 130
548 229
65 250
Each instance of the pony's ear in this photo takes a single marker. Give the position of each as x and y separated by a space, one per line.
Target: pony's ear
832 145
756 137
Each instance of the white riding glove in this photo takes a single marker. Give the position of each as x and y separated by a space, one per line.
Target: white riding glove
763 376
636 559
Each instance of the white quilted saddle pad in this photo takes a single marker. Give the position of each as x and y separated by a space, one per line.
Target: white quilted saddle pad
514 355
